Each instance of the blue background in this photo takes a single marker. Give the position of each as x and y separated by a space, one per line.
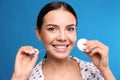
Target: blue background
98 19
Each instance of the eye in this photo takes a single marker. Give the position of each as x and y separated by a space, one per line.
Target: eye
71 29
52 29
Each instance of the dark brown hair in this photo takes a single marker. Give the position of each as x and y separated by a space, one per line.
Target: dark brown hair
53 6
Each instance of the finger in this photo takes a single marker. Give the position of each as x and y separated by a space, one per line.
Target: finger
35 57
96 51
26 50
94 44
90 45
91 42
25 53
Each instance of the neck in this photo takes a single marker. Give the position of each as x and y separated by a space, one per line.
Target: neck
57 63
67 68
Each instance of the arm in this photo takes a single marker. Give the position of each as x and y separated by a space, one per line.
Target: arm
98 53
24 62
108 74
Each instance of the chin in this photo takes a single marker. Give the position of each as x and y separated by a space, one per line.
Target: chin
61 56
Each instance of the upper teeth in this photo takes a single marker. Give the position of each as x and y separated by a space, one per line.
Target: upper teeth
60 47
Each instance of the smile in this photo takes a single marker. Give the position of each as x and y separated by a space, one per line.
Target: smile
61 47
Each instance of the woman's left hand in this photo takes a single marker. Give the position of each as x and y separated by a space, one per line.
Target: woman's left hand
98 53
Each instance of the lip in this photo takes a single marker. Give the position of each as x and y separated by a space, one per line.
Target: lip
61 47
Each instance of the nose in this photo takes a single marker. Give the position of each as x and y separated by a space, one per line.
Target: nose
62 36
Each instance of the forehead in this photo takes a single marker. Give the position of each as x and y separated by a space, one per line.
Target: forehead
59 16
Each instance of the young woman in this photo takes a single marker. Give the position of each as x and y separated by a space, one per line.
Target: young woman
56 27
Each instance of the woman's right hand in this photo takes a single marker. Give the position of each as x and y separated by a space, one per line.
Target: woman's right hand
24 63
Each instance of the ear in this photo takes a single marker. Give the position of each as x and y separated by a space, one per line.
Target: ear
38 34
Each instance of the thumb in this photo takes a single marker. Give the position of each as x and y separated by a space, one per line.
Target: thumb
35 58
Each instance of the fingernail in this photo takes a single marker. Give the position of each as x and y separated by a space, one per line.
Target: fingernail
37 51
27 51
87 50
32 51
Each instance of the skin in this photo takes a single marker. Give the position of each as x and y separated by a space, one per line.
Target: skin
58 30
58 34
98 53
24 64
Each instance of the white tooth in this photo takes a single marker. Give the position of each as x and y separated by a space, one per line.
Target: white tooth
60 47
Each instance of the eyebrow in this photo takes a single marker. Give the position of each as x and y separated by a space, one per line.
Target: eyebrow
57 25
51 25
71 25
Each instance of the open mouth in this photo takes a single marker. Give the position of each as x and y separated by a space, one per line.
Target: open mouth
61 47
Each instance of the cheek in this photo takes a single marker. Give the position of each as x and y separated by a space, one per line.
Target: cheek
47 38
72 37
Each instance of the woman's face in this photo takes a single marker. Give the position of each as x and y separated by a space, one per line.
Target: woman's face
58 33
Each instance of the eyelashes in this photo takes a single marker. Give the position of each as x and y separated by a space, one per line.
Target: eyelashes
71 29
54 29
